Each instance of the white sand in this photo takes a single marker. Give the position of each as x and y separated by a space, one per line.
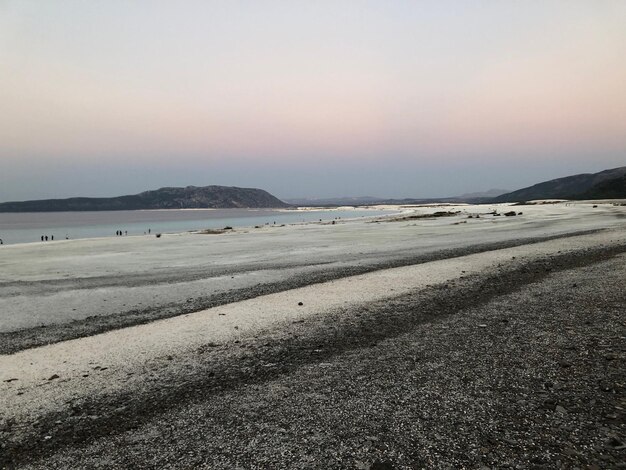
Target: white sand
133 349
305 242
55 283
59 282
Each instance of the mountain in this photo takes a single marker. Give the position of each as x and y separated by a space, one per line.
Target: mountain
611 189
570 187
471 198
364 201
191 197
489 193
335 201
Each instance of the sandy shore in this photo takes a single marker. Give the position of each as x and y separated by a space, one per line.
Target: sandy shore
52 292
419 343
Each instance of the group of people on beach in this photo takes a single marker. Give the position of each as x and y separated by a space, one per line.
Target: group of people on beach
44 238
121 233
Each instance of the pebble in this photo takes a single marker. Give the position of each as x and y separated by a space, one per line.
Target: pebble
615 443
381 465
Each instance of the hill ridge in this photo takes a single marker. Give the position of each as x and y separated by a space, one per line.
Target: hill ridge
170 197
580 186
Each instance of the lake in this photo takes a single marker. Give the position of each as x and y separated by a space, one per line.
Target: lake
25 227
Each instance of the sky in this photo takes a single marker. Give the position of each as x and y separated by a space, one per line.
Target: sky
321 98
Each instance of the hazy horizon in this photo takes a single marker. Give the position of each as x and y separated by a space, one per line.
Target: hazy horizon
308 99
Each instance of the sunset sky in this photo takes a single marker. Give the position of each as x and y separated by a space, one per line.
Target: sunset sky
308 98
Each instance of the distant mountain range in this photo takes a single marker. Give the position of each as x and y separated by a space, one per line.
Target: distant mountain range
607 184
370 200
191 197
489 194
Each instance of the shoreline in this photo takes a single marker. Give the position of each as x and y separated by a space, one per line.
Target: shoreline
396 210
238 215
18 340
239 335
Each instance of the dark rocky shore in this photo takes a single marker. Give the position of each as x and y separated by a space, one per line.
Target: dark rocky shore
521 369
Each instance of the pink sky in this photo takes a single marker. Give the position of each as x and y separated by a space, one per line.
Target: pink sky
408 84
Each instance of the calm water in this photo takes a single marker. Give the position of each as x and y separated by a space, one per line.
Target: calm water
29 227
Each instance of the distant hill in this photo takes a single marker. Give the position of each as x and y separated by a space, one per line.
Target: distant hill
472 198
570 187
611 189
191 197
490 193
335 201
365 201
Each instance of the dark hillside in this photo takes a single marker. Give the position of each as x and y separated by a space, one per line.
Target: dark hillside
570 187
191 197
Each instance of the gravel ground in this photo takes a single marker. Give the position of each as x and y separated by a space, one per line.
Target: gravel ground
524 369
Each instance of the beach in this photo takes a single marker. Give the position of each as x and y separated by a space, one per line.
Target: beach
439 336
30 227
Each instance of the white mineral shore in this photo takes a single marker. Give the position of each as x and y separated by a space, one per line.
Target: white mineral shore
26 388
57 283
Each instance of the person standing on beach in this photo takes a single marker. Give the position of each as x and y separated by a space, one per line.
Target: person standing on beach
42 238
